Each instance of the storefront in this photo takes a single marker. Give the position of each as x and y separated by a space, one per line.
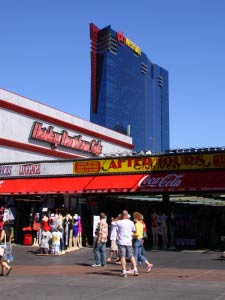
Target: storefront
32 132
191 186
55 163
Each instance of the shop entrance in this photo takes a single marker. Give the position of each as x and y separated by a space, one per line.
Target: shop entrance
25 211
193 221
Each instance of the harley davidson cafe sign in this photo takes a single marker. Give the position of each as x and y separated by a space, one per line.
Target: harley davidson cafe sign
63 139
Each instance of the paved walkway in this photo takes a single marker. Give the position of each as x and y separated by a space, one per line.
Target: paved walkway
176 275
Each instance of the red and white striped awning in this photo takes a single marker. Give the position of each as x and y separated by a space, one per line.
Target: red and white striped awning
44 185
113 184
151 183
70 185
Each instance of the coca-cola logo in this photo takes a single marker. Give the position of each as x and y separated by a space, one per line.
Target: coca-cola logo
170 180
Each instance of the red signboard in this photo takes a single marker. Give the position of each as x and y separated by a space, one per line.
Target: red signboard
182 182
87 167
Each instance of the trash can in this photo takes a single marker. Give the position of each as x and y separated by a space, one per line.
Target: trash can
28 239
27 236
222 242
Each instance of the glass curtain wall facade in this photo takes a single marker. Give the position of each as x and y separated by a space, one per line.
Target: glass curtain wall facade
129 93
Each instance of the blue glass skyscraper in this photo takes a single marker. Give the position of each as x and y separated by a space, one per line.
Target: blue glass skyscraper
128 91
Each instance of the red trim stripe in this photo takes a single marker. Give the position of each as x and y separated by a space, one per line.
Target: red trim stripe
94 40
36 149
28 112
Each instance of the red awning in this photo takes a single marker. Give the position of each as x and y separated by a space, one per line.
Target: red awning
70 185
63 185
154 183
209 180
113 183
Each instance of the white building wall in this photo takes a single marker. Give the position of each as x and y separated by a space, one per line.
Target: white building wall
33 105
18 127
8 155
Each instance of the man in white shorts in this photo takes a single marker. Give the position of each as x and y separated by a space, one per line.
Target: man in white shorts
125 230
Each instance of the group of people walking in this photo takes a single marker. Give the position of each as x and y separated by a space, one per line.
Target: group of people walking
126 241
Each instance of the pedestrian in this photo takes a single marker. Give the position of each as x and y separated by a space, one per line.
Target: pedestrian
100 242
162 223
138 241
6 268
46 237
154 222
56 241
113 241
145 234
125 230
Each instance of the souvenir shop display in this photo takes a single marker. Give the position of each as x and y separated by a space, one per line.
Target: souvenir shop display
155 232
79 232
68 232
75 227
36 229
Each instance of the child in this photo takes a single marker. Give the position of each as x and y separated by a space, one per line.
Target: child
56 239
46 236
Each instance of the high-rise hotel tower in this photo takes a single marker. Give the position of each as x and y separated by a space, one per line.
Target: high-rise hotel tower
129 93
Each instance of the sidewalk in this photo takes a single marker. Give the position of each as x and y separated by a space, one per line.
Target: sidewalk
176 275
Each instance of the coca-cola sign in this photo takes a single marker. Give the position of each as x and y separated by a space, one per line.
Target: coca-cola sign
182 182
160 181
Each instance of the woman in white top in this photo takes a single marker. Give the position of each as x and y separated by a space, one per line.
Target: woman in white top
113 241
162 221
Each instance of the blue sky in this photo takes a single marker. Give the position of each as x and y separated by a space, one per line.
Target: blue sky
45 56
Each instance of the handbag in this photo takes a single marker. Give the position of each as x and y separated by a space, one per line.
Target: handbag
2 251
36 225
145 236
